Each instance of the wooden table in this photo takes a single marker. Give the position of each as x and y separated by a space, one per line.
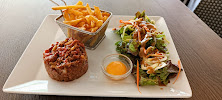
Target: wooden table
199 48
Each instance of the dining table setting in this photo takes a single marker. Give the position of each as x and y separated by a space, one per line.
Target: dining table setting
107 49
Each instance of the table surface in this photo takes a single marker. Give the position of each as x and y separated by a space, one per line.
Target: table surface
199 48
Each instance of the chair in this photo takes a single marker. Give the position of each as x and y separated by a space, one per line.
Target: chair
210 11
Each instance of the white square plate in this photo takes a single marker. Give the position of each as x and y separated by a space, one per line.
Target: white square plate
30 77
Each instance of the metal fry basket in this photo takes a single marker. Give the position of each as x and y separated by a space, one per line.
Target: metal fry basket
90 40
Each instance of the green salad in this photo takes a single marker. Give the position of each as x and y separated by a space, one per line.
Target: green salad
142 42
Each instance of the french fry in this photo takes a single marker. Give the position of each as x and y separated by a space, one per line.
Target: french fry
98 13
79 3
105 14
83 28
89 29
84 18
66 15
75 12
105 18
72 17
73 22
89 9
81 17
81 24
78 15
85 12
93 18
93 24
87 26
94 29
67 7
88 19
99 23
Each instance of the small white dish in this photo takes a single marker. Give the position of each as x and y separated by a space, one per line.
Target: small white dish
117 57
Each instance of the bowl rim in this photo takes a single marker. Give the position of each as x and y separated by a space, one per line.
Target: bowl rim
117 76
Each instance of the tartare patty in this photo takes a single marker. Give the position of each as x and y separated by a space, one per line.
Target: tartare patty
66 60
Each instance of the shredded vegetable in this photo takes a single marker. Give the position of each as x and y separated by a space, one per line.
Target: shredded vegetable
179 65
137 82
125 22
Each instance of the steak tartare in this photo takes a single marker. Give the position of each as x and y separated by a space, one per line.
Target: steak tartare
66 60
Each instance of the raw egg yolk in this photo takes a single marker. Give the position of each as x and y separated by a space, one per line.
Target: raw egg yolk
116 68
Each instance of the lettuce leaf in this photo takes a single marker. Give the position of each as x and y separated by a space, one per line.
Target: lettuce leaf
127 37
140 15
146 81
120 31
147 19
127 33
167 72
160 43
160 76
133 47
163 75
160 35
129 29
122 47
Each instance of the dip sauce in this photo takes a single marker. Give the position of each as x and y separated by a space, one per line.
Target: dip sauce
116 68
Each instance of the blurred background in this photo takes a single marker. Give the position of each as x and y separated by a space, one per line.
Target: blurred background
209 11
